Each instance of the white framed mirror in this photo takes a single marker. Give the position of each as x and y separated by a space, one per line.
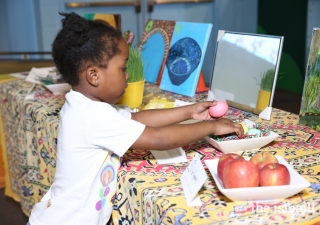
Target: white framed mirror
245 70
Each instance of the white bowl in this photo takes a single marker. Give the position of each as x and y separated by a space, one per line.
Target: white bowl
242 144
297 184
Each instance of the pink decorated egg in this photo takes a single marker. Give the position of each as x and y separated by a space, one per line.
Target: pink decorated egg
218 110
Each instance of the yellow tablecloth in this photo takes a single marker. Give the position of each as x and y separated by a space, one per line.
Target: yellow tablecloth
149 193
3 78
30 138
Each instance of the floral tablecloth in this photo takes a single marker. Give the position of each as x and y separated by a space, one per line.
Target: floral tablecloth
149 193
3 78
30 131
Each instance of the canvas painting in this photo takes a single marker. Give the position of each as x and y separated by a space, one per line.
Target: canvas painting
112 19
310 106
154 47
185 58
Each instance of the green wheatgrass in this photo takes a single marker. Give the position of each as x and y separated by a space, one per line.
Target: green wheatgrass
267 80
135 66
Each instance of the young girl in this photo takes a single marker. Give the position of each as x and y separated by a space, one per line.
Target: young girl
93 133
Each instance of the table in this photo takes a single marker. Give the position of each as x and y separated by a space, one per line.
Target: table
149 193
3 78
30 140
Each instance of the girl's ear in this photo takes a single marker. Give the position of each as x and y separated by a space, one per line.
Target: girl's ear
92 76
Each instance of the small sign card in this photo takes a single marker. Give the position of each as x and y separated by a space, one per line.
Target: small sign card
176 155
36 74
192 180
48 78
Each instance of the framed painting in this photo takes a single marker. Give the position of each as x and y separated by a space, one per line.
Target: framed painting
112 19
185 58
310 105
154 47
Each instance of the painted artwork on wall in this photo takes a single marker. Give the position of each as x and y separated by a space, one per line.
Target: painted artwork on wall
112 19
154 47
310 106
185 58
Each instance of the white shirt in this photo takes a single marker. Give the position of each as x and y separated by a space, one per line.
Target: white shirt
92 136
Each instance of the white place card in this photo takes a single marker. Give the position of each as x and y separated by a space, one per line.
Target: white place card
176 155
192 180
36 73
21 75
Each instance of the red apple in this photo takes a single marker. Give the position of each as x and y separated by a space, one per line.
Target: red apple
274 174
224 160
263 158
240 173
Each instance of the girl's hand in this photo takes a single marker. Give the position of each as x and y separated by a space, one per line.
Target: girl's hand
226 126
200 111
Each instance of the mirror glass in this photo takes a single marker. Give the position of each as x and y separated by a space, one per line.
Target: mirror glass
245 70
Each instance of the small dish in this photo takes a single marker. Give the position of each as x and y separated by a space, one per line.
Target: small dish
297 184
242 144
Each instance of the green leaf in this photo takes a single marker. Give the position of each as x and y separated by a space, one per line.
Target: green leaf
135 67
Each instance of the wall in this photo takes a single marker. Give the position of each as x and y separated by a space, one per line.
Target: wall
18 26
4 34
32 25
274 21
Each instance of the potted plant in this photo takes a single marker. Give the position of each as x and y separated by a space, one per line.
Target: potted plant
134 92
266 84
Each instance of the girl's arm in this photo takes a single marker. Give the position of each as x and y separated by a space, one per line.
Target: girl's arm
177 135
164 117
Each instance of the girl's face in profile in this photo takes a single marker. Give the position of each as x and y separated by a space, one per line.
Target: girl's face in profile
114 78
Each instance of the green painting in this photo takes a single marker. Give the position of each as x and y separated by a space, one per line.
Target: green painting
310 106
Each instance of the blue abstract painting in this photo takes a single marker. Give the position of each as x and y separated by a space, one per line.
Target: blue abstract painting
186 54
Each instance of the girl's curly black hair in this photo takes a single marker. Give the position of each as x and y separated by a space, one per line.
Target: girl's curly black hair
83 43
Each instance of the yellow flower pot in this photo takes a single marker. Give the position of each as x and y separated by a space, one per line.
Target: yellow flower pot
263 99
133 95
